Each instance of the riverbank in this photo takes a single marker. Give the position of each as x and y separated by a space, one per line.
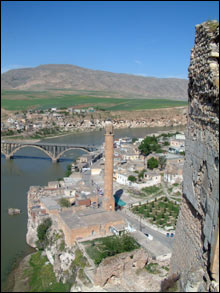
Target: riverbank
34 273
166 117
16 281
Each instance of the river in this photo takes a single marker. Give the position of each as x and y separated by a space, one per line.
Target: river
32 167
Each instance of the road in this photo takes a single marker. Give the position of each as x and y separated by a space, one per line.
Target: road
160 244
140 226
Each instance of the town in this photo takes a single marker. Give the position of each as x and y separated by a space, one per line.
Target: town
127 187
37 124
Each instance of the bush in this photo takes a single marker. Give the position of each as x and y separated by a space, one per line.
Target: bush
64 203
68 170
110 246
152 268
41 233
132 178
152 163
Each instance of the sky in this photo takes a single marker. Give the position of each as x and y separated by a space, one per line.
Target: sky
148 38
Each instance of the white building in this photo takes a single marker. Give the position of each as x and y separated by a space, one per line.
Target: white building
173 173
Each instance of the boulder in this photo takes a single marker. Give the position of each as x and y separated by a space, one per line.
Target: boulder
12 211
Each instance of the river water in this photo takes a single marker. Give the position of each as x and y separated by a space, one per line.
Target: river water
32 167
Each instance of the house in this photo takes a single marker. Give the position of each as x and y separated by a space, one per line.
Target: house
180 136
130 156
173 173
152 178
177 143
121 176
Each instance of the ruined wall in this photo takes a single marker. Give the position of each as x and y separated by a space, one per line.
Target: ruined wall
195 251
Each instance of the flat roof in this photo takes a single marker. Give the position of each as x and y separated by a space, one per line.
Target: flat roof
50 203
89 217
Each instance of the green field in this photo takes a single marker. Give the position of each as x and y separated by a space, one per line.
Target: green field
23 100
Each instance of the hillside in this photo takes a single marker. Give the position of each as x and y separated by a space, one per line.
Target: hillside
57 77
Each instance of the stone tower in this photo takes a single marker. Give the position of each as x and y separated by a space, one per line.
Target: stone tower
196 247
108 200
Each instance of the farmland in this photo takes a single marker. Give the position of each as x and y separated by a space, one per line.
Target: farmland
23 100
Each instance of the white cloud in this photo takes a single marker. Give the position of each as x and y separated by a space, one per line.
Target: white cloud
137 61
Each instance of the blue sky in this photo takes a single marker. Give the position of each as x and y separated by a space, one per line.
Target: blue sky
151 38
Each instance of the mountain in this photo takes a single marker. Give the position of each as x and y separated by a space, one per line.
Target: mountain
57 76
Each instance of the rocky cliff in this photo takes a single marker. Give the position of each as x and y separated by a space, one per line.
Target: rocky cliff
195 251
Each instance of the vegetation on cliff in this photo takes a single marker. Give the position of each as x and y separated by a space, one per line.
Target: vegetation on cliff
41 277
42 233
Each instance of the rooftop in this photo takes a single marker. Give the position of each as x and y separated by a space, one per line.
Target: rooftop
88 217
50 203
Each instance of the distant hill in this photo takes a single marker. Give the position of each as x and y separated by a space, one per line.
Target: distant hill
55 76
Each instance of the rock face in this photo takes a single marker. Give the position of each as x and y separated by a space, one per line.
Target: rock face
195 251
117 266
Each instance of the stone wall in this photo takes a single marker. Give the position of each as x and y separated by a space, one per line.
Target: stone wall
195 251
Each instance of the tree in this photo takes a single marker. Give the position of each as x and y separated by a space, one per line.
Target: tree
68 170
132 178
42 231
162 162
149 145
141 174
152 163
64 203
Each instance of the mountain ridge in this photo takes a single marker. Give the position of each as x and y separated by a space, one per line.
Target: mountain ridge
67 76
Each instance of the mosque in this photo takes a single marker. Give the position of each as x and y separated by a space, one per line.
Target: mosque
82 223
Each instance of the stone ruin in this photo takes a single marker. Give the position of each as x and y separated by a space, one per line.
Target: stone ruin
196 248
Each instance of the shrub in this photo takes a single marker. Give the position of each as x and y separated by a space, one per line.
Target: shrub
64 203
152 268
132 178
110 246
41 233
68 170
152 163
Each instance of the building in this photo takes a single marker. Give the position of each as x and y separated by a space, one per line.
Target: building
173 173
87 220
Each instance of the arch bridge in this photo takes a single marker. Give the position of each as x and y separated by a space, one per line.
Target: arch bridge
54 151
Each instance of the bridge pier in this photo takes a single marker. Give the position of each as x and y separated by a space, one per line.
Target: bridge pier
8 157
54 160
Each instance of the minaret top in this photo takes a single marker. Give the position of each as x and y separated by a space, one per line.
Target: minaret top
108 127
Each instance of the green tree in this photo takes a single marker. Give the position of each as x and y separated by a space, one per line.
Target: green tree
134 139
141 174
68 170
64 203
152 163
162 162
41 233
132 178
149 145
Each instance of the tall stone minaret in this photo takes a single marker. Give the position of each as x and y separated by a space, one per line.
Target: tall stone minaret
108 200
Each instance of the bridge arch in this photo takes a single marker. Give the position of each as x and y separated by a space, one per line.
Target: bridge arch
32 146
4 153
72 148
